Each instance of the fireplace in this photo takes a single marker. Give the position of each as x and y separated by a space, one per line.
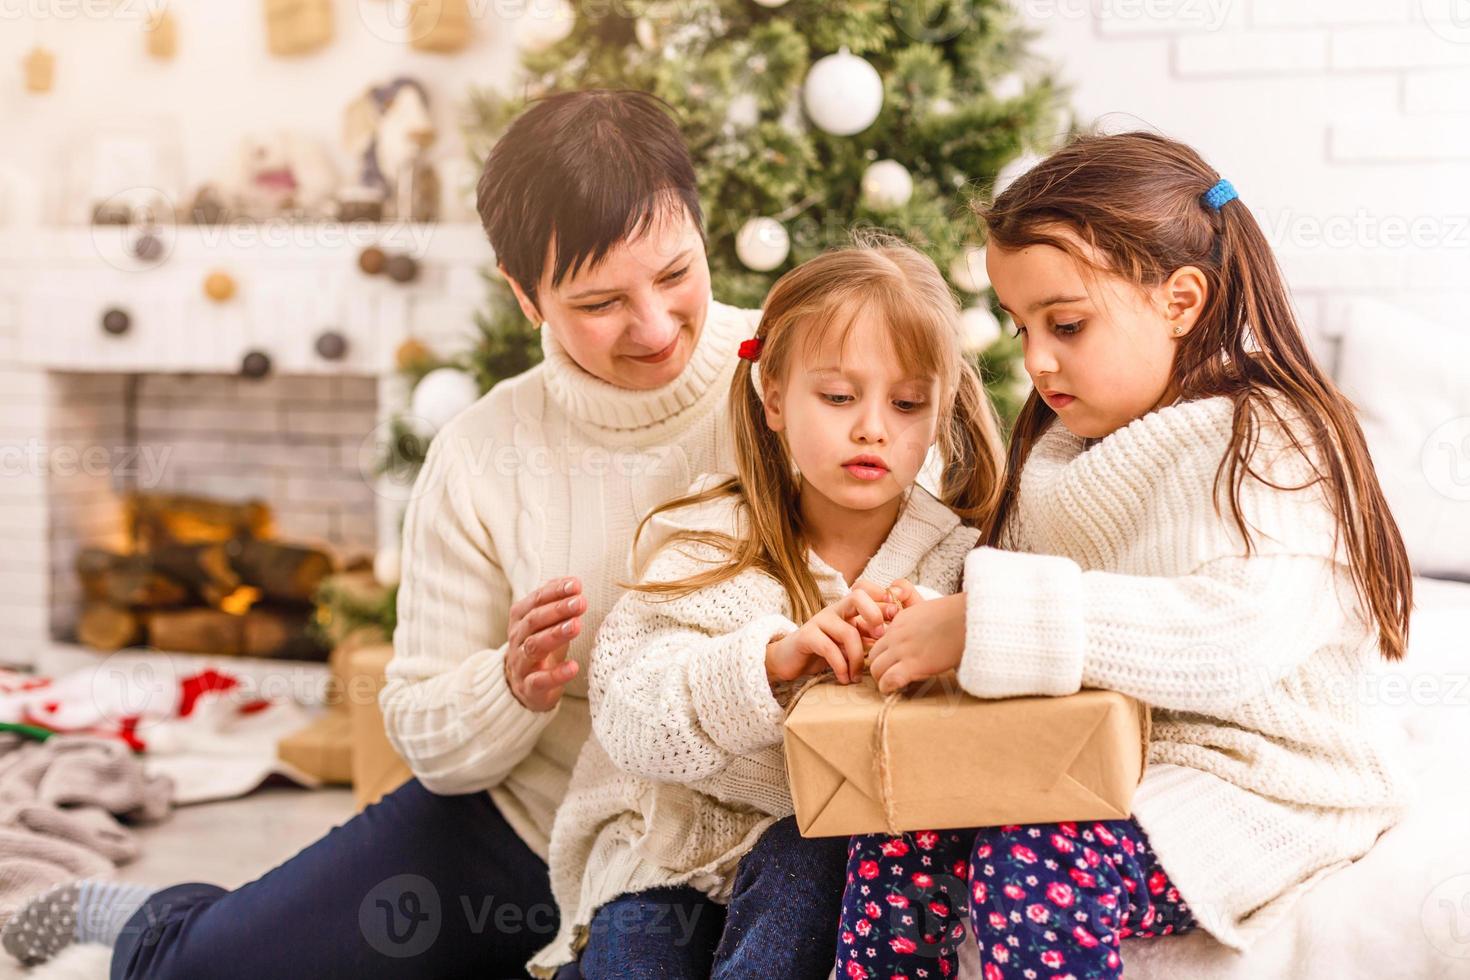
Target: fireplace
197 512
120 374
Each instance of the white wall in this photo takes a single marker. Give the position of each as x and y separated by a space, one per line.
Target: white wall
222 83
1344 124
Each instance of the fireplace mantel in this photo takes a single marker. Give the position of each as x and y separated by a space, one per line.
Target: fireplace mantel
292 284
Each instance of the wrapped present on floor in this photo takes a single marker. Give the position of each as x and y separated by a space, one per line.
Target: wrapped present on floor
934 757
377 769
323 748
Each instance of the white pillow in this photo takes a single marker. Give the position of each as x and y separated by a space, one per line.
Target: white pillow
1410 380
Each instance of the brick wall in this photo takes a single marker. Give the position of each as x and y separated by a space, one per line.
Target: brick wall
291 441
23 581
1342 123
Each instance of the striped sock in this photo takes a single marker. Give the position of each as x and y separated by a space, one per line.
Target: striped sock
89 910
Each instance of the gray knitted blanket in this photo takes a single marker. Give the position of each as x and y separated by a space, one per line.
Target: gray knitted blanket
64 803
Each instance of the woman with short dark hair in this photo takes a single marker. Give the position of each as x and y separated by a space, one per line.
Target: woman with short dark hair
518 531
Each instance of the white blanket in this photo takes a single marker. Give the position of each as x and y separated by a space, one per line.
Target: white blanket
1404 909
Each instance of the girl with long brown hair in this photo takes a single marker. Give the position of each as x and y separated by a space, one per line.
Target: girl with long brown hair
755 579
1191 518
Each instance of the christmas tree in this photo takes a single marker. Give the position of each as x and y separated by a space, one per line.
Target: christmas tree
806 119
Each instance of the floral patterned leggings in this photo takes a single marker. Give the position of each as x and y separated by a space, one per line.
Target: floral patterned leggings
1045 901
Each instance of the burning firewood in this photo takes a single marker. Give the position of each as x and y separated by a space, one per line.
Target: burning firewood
261 631
155 519
104 626
280 571
126 580
167 576
202 576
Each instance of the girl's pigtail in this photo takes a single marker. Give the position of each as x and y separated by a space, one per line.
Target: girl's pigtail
973 480
1274 355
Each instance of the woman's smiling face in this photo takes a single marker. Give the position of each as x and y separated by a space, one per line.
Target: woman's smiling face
1099 350
634 319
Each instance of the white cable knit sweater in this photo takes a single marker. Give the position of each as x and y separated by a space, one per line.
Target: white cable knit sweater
1265 772
687 771
545 476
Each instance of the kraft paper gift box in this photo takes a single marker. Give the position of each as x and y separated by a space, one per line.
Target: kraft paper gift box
952 760
323 748
377 769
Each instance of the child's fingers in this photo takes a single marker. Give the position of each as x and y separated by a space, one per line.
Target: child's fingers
829 651
871 590
874 649
845 636
894 679
869 612
903 592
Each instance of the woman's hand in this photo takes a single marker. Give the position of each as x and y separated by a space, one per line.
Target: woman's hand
542 626
833 637
926 639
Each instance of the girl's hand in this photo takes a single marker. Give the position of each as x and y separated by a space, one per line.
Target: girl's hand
542 626
904 593
833 637
925 639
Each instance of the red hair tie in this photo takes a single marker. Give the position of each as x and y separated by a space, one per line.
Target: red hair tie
751 349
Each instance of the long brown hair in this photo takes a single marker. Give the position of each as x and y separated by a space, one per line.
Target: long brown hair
1136 199
881 276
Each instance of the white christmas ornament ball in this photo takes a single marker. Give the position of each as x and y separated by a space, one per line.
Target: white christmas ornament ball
762 244
772 3
387 566
978 329
843 94
1008 87
440 396
646 34
968 270
545 23
744 111
887 185
1013 170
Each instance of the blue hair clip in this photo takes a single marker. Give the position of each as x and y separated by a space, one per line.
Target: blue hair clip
1221 194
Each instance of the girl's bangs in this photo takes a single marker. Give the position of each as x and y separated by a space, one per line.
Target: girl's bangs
921 337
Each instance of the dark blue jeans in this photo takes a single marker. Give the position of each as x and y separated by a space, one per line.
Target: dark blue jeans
781 922
416 885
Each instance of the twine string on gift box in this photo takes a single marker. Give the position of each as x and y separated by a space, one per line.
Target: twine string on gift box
881 765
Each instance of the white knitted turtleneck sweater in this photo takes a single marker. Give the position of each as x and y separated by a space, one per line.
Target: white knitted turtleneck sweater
687 770
1266 770
545 476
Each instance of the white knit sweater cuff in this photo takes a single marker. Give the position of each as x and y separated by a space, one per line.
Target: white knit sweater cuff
1023 625
729 689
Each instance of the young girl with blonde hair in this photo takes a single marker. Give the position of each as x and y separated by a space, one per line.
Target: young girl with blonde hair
751 582
1191 518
